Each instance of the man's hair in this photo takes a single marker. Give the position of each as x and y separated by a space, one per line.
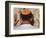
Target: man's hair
28 17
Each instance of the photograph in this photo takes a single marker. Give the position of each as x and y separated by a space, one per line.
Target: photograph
24 18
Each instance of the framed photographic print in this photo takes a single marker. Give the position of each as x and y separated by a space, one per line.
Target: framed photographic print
24 18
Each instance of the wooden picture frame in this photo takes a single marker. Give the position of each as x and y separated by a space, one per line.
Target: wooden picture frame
7 14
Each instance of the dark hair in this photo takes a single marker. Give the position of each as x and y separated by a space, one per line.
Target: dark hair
28 17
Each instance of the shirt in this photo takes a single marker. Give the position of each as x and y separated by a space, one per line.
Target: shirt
24 27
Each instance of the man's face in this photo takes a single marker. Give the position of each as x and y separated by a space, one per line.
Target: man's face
25 11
